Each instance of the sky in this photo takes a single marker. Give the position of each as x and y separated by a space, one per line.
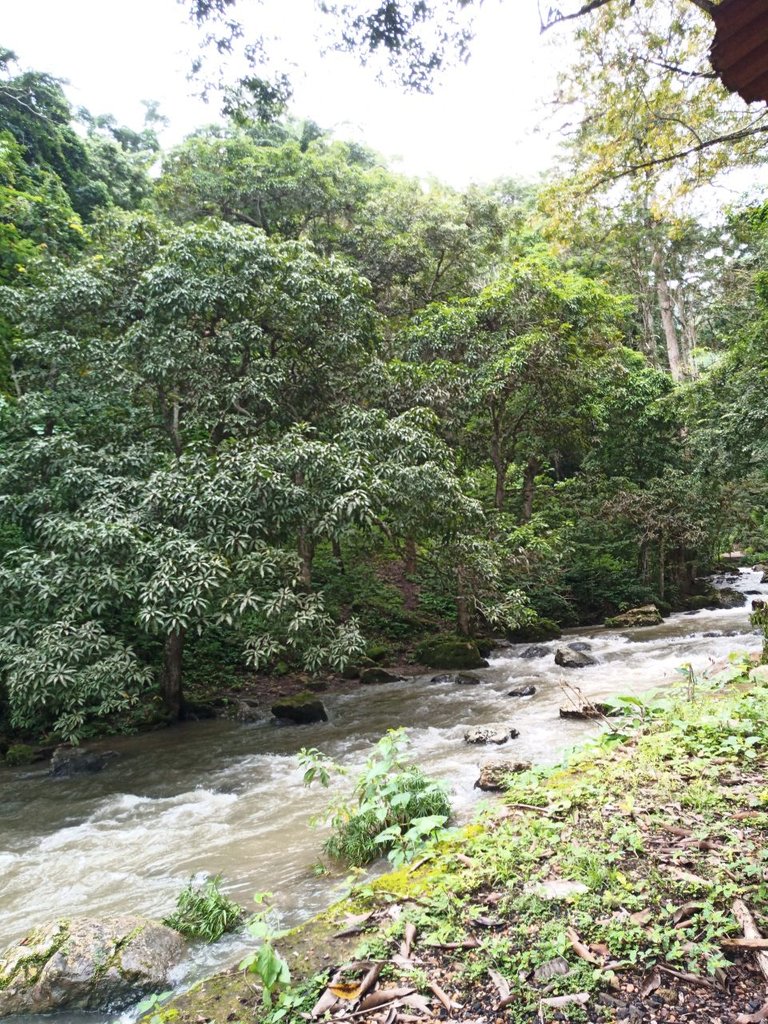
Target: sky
482 122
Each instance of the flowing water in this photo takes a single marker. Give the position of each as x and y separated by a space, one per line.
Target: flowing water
222 797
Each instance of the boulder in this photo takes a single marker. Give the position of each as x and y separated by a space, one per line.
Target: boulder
579 645
77 761
464 679
522 691
534 651
444 678
646 615
764 578
87 964
494 775
572 659
490 734
371 676
303 709
727 597
449 652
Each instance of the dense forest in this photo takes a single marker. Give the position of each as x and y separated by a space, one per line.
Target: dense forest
269 406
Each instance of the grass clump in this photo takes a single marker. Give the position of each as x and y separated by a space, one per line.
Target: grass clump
204 912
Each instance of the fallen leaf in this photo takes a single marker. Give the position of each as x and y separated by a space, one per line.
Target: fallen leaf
650 984
501 983
557 966
384 996
326 1002
687 910
408 937
557 1002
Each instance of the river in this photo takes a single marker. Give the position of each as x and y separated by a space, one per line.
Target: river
223 797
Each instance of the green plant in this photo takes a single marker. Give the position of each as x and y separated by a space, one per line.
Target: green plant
394 808
266 963
204 912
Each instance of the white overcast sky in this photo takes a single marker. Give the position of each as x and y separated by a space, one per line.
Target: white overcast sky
482 121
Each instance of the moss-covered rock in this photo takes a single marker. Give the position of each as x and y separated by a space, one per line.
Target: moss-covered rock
449 652
646 615
87 964
535 632
301 709
370 676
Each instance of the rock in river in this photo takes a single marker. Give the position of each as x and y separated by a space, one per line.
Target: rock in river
465 679
87 964
522 691
303 709
490 734
494 775
370 676
76 761
534 651
646 615
572 659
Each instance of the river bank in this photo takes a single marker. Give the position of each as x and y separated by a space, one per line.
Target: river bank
611 889
226 797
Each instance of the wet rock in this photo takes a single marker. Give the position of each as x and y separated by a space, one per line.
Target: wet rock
444 678
727 597
490 734
645 615
753 593
318 685
303 709
87 965
573 659
373 676
246 712
587 710
494 775
764 577
522 691
579 645
464 679
711 634
76 761
534 651
450 652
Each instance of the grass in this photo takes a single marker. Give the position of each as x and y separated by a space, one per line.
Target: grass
204 912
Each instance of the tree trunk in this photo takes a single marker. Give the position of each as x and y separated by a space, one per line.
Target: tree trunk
336 551
463 617
529 488
306 547
172 674
410 556
662 566
677 365
649 329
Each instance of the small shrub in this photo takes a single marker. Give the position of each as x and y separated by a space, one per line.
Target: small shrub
19 754
204 912
395 808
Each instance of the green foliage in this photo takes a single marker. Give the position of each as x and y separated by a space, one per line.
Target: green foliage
19 754
204 912
266 963
394 808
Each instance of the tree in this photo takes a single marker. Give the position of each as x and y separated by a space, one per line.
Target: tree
515 363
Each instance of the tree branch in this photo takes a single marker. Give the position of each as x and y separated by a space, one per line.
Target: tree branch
556 17
737 136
